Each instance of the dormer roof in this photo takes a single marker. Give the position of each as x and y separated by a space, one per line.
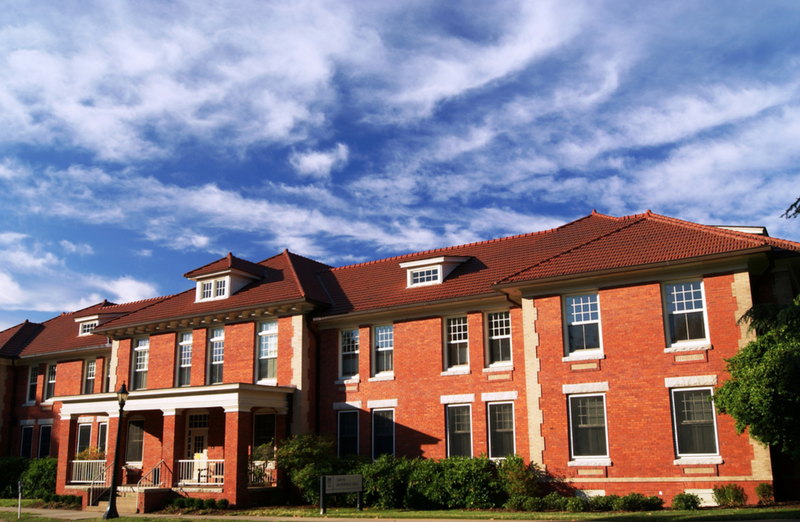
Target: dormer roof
225 265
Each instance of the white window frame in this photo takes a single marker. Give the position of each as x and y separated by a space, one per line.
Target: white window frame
448 364
394 430
33 380
579 458
489 337
141 345
78 437
355 352
513 429
267 349
447 425
691 343
216 354
87 328
339 431
49 383
213 289
377 340
101 427
89 374
185 344
678 454
568 321
432 271
42 428
134 463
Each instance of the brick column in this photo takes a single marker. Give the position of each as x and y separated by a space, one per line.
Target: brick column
238 432
66 444
171 446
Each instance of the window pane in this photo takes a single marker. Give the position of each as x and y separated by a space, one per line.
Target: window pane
263 430
383 433
501 430
44 441
457 341
500 350
588 427
459 431
84 437
348 433
102 434
27 441
499 337
135 441
349 364
694 415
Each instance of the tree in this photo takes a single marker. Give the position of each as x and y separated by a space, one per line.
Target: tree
793 210
763 392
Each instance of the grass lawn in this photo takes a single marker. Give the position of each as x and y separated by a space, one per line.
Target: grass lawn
12 502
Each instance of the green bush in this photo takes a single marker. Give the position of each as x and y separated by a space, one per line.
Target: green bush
730 495
518 479
198 503
424 489
686 501
535 504
637 502
39 478
169 502
47 497
554 502
11 469
765 493
210 503
386 481
306 458
603 503
179 503
76 500
516 503
577 505
223 503
469 483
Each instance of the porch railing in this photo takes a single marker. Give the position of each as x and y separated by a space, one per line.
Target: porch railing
87 471
261 472
160 476
99 484
199 472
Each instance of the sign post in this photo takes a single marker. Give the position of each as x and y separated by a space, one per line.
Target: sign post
331 484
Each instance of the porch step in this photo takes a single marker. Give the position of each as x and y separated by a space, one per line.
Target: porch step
125 505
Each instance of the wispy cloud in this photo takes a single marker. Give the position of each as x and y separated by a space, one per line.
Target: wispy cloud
71 248
318 164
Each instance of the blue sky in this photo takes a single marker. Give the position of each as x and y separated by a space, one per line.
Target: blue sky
140 140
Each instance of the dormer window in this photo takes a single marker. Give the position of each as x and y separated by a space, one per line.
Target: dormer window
431 271
212 289
224 277
86 328
220 288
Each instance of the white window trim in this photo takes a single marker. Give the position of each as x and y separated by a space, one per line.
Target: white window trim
592 353
503 365
453 369
591 460
99 431
48 382
86 366
694 457
447 425
697 344
210 353
86 324
339 426
489 426
259 335
385 374
215 282
28 400
443 264
394 430
39 449
78 437
179 357
135 349
348 379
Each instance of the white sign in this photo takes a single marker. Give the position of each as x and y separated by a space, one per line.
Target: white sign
343 483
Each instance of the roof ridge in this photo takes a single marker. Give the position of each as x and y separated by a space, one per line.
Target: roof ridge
207 264
476 243
635 219
112 305
288 256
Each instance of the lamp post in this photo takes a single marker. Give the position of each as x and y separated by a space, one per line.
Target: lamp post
111 512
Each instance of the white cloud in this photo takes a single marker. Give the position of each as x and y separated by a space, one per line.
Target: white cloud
71 248
319 164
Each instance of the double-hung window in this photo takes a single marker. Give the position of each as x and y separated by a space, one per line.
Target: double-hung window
88 377
457 334
695 422
141 356
206 291
686 312
501 430
45 436
384 348
50 385
264 433
382 433
185 359
135 448
348 351
583 323
268 350
348 433
84 438
459 430
27 442
499 333
86 328
33 379
587 415
102 435
216 345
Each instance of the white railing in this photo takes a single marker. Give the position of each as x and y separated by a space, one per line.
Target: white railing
88 471
261 472
99 484
160 476
199 472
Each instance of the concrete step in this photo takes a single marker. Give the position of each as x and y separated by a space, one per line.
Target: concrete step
124 506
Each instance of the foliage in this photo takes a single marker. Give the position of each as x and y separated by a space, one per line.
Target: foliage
210 503
765 493
603 503
39 478
730 495
306 458
577 505
386 481
686 501
554 502
638 502
169 502
793 211
223 503
424 486
265 452
469 483
91 453
179 503
517 478
11 469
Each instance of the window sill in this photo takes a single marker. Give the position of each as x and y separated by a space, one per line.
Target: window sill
589 463
28 404
499 368
591 356
692 461
381 377
456 371
693 347
349 380
268 382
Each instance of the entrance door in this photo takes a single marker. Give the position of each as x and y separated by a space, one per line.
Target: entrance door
197 436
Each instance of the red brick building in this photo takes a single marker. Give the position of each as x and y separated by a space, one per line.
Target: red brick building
590 349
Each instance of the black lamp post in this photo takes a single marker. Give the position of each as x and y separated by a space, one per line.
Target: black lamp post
111 512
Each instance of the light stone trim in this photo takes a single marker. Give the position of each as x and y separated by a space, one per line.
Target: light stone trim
688 382
692 357
381 378
352 380
499 368
349 405
586 387
457 399
113 362
706 496
761 465
690 348
589 463
86 419
591 356
534 390
584 366
300 378
699 471
45 422
635 480
27 422
385 403
694 461
456 371
589 493
598 472
499 396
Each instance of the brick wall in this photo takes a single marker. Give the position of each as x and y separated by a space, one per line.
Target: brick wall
161 362
239 353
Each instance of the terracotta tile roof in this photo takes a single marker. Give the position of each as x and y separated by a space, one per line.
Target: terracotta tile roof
382 283
646 239
227 262
13 339
289 277
61 333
